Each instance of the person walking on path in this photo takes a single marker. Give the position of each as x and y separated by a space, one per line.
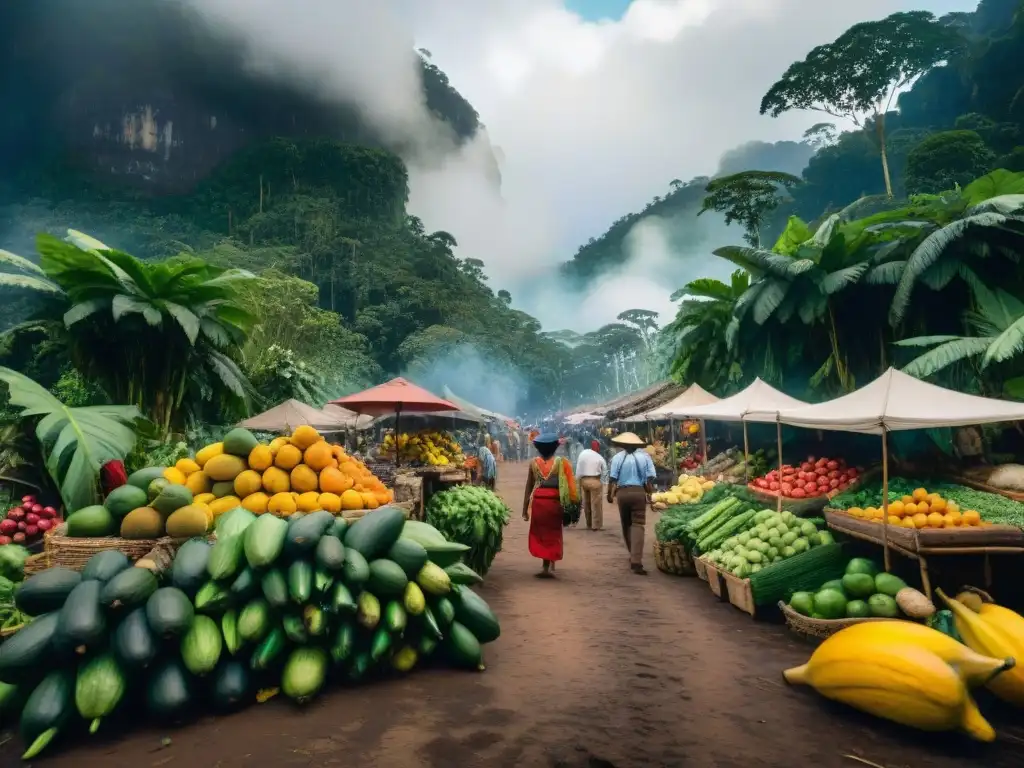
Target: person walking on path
488 471
630 486
550 493
590 471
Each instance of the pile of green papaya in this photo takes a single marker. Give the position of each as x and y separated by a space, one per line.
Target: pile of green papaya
269 604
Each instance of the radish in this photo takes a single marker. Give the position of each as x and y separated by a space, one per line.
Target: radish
16 514
773 486
8 527
22 525
45 524
5 540
31 518
31 531
49 512
19 538
833 465
28 499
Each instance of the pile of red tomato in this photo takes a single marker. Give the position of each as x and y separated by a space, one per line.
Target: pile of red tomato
814 477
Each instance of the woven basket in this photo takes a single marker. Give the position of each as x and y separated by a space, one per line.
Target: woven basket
68 552
818 628
36 563
671 557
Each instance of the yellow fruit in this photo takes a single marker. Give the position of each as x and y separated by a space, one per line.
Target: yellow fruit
952 506
910 509
261 458
142 523
990 639
369 500
288 456
900 681
938 504
923 508
281 505
330 502
175 476
203 498
953 517
247 483
971 517
383 497
256 502
351 500
894 520
276 481
897 508
276 443
855 511
935 520
920 521
907 522
206 510
318 456
207 453
948 521
920 494
224 467
871 513
352 469
198 482
187 522
334 481
308 502
224 504
305 436
907 499
304 479
186 466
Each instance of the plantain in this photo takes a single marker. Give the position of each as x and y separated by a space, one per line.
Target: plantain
901 682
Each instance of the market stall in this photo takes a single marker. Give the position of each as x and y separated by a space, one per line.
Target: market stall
896 402
287 416
694 395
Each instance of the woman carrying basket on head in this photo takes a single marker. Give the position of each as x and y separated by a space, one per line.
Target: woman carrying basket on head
550 494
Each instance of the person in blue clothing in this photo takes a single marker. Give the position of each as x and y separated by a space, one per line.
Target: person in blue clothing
488 467
630 484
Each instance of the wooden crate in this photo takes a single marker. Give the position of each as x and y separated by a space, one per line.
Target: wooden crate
739 593
716 582
701 568
928 540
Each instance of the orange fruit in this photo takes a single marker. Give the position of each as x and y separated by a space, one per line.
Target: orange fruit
920 521
261 458
329 502
318 456
276 443
304 479
952 506
920 494
971 517
948 521
907 522
351 500
855 511
910 509
938 504
276 480
288 457
954 515
907 499
304 437
369 501
333 481
894 520
923 508
935 520
308 502
872 514
897 508
281 505
256 502
350 468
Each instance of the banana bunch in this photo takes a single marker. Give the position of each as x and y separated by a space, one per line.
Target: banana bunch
431 447
905 672
992 630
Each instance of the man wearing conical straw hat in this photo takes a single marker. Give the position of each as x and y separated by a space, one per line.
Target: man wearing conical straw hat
631 482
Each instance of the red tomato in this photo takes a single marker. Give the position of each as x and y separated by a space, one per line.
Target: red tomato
853 472
821 472
834 483
808 465
833 474
773 486
833 465
799 493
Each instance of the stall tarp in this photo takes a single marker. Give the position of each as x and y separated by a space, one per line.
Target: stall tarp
759 396
582 418
678 407
643 401
465 406
351 419
892 402
395 396
286 416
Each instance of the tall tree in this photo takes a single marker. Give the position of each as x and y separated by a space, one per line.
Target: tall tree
857 76
747 198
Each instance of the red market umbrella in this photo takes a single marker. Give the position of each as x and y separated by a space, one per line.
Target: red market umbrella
396 396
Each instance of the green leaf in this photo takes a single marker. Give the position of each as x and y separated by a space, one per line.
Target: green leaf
945 355
996 184
122 305
186 319
82 310
20 262
76 442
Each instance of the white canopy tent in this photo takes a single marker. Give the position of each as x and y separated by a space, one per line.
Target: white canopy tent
582 418
678 407
351 419
893 402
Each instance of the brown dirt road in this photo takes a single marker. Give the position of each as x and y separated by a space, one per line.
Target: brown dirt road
597 669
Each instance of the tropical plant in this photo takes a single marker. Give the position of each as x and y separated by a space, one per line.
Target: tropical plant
76 442
747 198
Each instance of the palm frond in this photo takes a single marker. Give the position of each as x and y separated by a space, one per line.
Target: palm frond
186 318
836 281
1008 205
29 283
1006 345
122 305
925 341
20 262
706 287
945 355
885 274
85 242
84 309
768 300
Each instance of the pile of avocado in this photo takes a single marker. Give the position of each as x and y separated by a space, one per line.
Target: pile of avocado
864 591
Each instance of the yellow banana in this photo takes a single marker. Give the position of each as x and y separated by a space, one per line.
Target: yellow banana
988 639
974 668
901 682
1011 623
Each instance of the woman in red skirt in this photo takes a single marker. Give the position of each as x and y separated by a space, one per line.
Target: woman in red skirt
550 490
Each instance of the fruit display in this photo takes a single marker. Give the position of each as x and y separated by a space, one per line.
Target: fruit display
930 504
688 489
27 522
428 447
473 516
272 606
907 673
751 541
864 591
991 630
814 477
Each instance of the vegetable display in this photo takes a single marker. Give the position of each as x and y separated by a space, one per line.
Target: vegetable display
863 591
473 516
689 489
272 605
814 477
428 447
753 541
25 523
300 473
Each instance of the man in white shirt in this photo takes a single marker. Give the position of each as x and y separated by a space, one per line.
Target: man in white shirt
590 470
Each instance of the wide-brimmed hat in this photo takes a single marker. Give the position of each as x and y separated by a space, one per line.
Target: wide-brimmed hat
628 439
548 438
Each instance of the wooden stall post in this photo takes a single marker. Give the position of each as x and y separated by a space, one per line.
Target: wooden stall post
672 449
778 447
746 454
703 448
885 498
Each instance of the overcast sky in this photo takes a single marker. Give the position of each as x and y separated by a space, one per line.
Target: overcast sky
595 106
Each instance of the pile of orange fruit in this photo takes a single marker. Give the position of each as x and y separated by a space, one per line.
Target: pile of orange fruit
921 510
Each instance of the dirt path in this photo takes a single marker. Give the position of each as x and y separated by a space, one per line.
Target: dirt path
597 669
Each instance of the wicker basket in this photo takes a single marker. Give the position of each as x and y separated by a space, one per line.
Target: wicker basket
68 552
671 557
818 628
36 563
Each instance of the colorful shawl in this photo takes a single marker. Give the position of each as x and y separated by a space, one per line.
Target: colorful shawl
568 495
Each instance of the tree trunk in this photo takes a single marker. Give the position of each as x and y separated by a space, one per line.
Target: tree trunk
880 128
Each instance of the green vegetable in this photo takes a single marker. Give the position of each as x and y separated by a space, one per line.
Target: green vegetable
883 606
98 689
830 604
304 674
47 710
889 585
473 516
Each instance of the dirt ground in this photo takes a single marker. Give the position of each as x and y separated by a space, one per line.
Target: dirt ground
599 668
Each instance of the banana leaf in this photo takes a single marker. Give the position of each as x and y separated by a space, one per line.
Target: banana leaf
75 441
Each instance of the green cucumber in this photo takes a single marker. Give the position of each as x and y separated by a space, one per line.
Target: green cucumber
342 600
355 571
254 621
264 541
374 533
128 589
169 612
294 629
409 554
105 565
270 650
201 647
330 554
422 533
24 655
229 629
275 588
226 557
444 611
387 579
381 644
47 710
460 573
368 613
82 623
395 618
344 640
300 581
133 642
304 674
304 534
99 688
